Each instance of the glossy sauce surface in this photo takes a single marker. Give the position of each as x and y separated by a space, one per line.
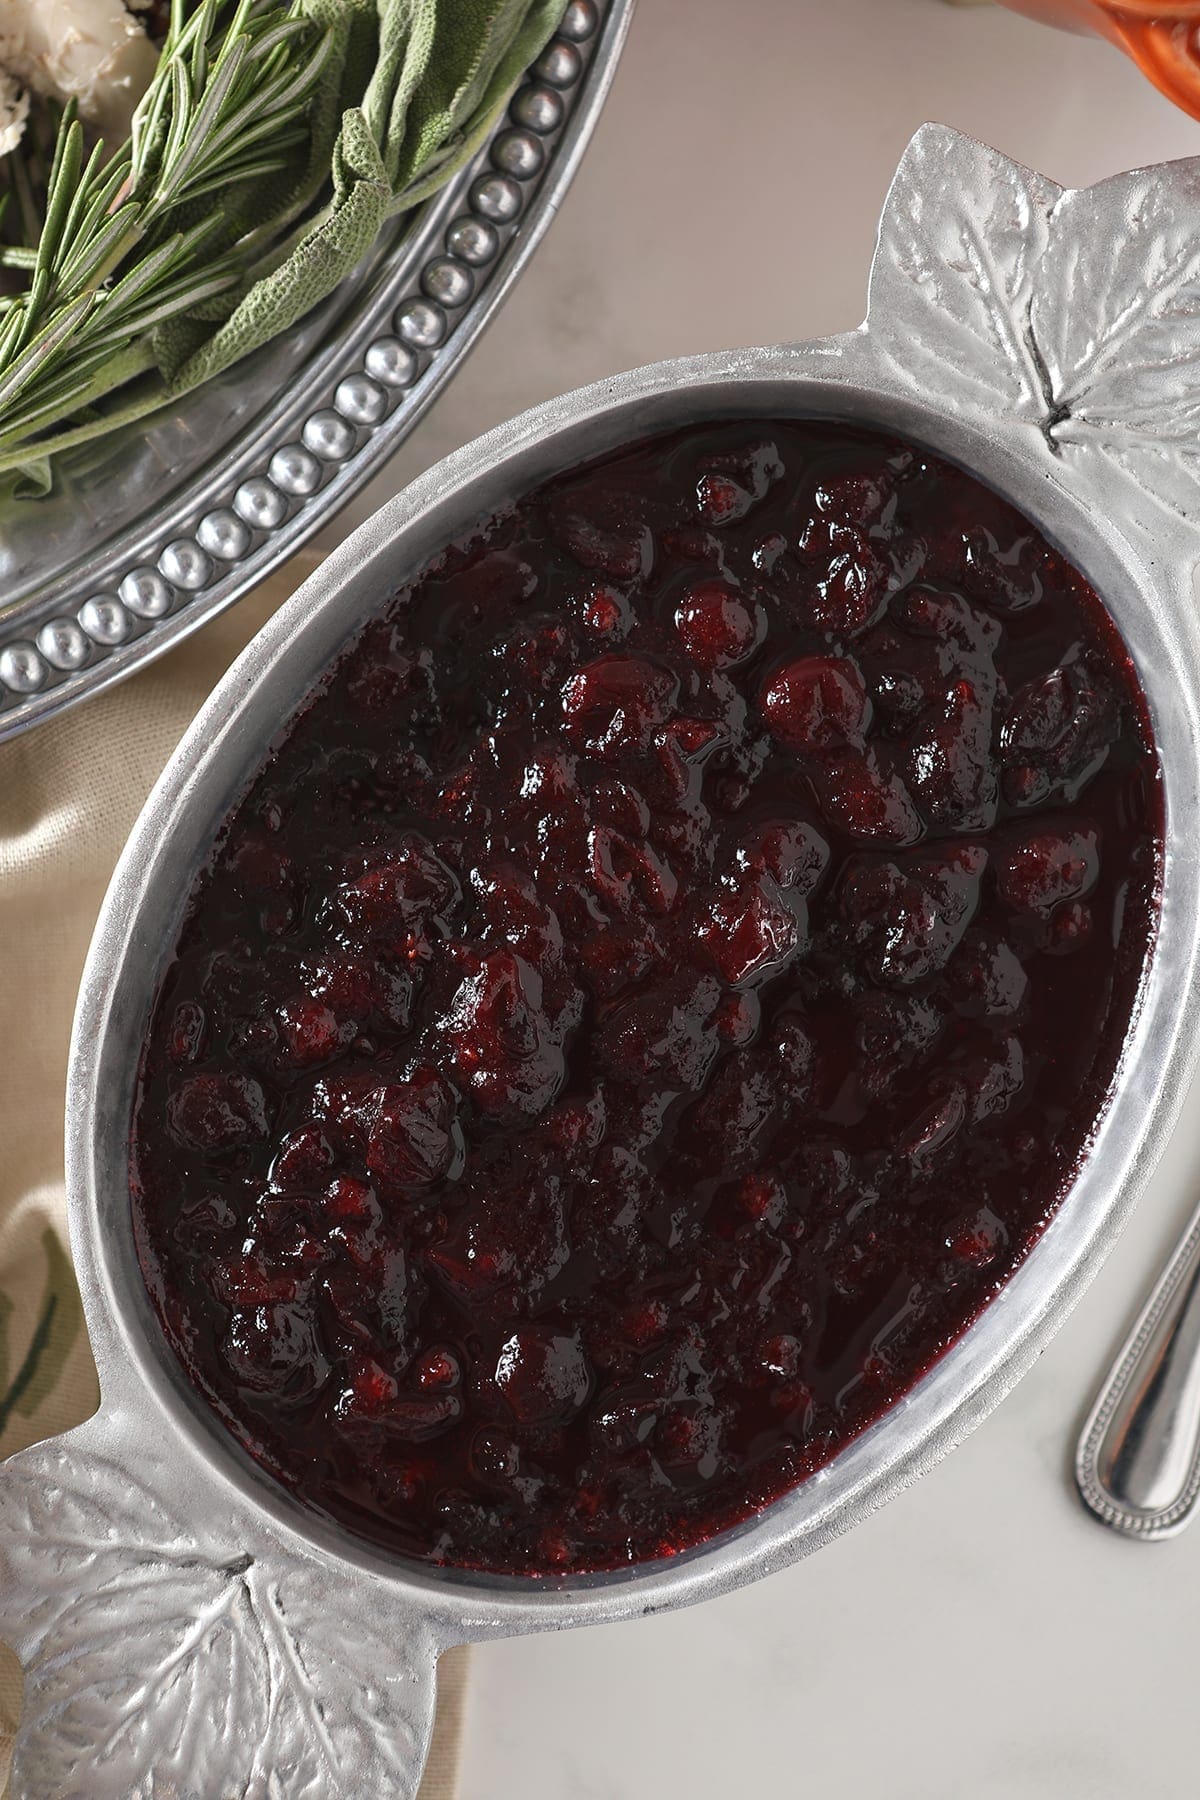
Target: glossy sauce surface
650 1000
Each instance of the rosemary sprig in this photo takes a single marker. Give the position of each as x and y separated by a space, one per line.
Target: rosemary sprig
110 264
273 142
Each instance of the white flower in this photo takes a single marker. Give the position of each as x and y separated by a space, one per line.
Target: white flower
14 110
92 51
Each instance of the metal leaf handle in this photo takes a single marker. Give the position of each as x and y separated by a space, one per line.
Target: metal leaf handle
175 1649
1067 310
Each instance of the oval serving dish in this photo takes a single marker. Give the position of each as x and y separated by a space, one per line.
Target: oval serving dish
176 1610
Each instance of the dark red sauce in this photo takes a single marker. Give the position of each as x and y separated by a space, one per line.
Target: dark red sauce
651 998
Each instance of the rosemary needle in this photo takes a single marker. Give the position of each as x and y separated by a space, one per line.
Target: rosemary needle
270 147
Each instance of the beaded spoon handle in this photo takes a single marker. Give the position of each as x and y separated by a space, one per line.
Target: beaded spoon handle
1138 1461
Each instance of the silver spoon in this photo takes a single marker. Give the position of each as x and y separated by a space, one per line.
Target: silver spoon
1138 1461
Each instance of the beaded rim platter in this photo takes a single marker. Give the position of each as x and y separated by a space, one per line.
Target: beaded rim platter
146 537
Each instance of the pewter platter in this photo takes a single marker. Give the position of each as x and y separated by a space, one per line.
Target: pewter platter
146 536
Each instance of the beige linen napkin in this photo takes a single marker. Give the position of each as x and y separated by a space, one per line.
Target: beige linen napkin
69 793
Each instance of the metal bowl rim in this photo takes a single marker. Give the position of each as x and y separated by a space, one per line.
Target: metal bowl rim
839 378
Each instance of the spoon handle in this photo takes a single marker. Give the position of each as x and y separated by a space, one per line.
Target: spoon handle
1138 1461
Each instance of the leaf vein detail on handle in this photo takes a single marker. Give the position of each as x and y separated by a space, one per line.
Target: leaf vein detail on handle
157 1656
962 236
1074 312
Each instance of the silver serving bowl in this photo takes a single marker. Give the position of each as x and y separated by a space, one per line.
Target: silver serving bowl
186 1626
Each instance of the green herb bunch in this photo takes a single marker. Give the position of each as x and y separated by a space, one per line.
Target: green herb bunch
272 145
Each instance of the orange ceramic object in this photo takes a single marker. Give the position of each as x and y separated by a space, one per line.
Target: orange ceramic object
1162 38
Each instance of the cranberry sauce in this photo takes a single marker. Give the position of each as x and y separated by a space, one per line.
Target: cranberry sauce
653 997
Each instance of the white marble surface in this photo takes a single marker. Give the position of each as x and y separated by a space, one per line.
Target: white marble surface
981 1638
